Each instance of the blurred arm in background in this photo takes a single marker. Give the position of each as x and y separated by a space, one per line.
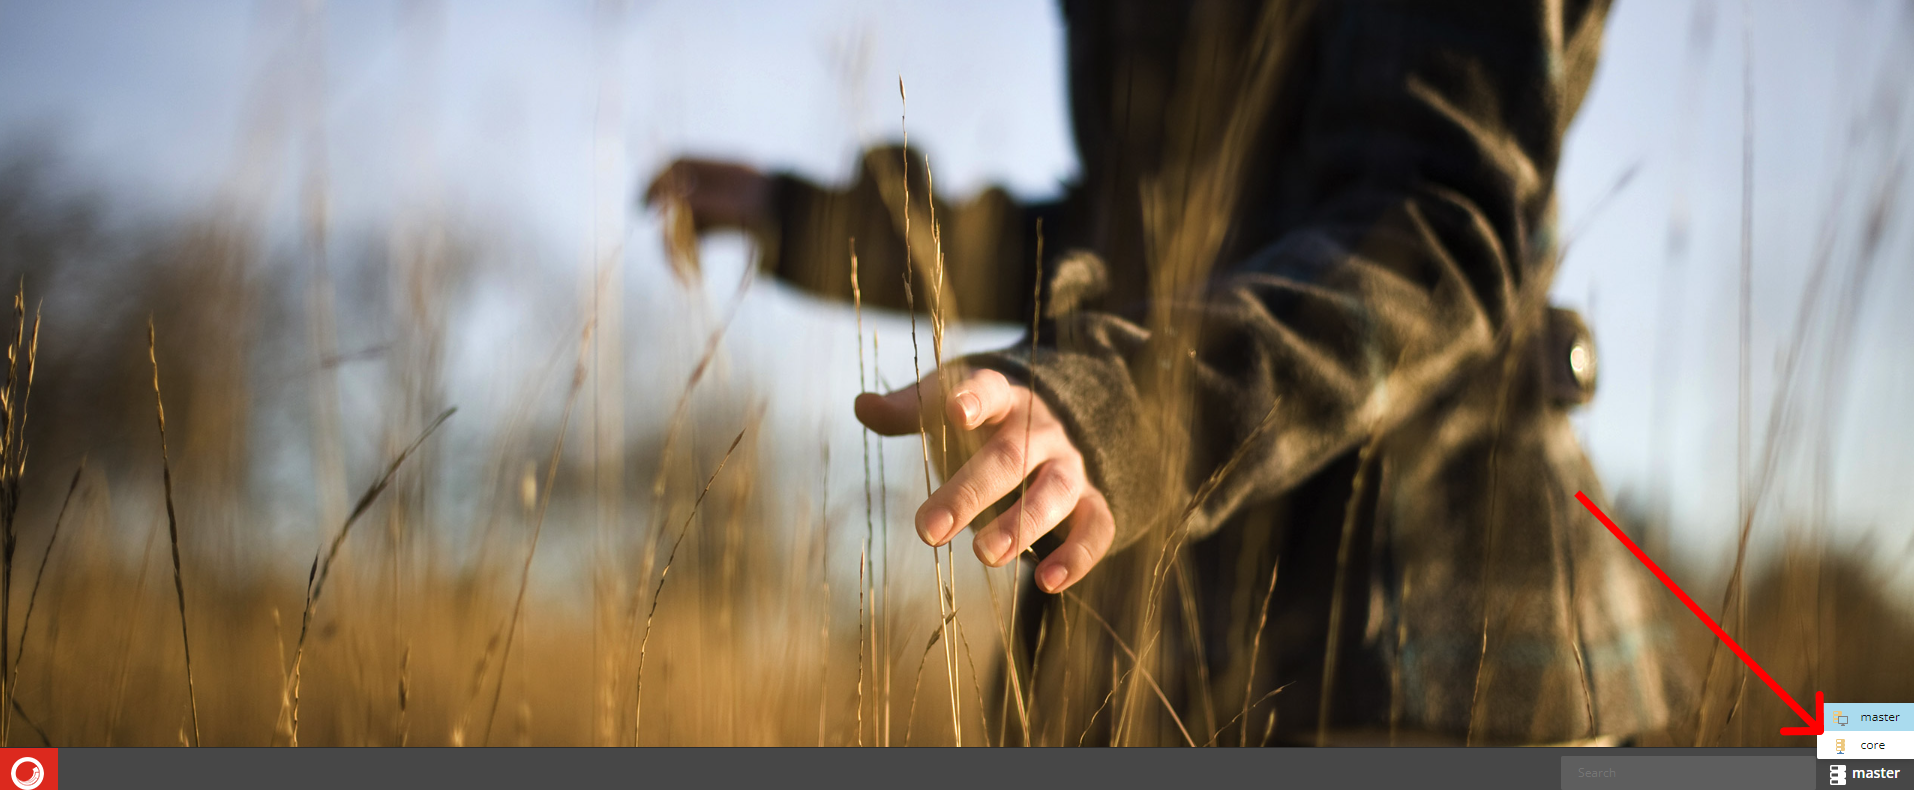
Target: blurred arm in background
804 232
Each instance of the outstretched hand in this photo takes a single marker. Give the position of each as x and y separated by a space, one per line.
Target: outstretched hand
1021 438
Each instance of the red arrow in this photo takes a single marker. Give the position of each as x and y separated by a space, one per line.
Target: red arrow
1815 726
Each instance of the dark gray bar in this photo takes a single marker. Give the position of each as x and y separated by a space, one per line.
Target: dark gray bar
920 769
1617 769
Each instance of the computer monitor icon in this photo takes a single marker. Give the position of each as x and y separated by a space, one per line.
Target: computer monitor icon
1840 718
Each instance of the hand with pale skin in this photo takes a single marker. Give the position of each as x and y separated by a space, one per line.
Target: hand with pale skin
1060 493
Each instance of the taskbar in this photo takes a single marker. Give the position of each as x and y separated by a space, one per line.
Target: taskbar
1570 768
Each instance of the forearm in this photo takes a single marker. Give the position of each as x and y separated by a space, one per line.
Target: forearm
986 244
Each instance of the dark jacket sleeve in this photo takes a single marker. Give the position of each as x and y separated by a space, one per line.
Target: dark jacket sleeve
985 240
1415 205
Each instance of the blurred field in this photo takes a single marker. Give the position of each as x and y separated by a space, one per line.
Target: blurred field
414 640
768 630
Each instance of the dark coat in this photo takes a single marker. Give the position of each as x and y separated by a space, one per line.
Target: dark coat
1318 252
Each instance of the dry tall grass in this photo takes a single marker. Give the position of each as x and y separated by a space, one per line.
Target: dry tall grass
464 620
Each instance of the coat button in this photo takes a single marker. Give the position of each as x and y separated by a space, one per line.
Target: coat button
1567 352
1581 362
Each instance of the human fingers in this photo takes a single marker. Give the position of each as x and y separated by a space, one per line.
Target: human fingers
1092 529
902 411
991 473
982 398
1051 496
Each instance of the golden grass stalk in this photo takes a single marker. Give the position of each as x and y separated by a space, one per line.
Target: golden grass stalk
1172 542
26 620
1023 489
1006 639
824 576
637 696
1117 683
1193 631
1063 698
679 415
126 644
946 590
1244 714
285 692
1255 647
938 317
13 465
862 555
936 635
1333 645
1036 661
479 671
322 570
870 525
975 685
1137 666
538 528
172 524
944 607
884 544
405 695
